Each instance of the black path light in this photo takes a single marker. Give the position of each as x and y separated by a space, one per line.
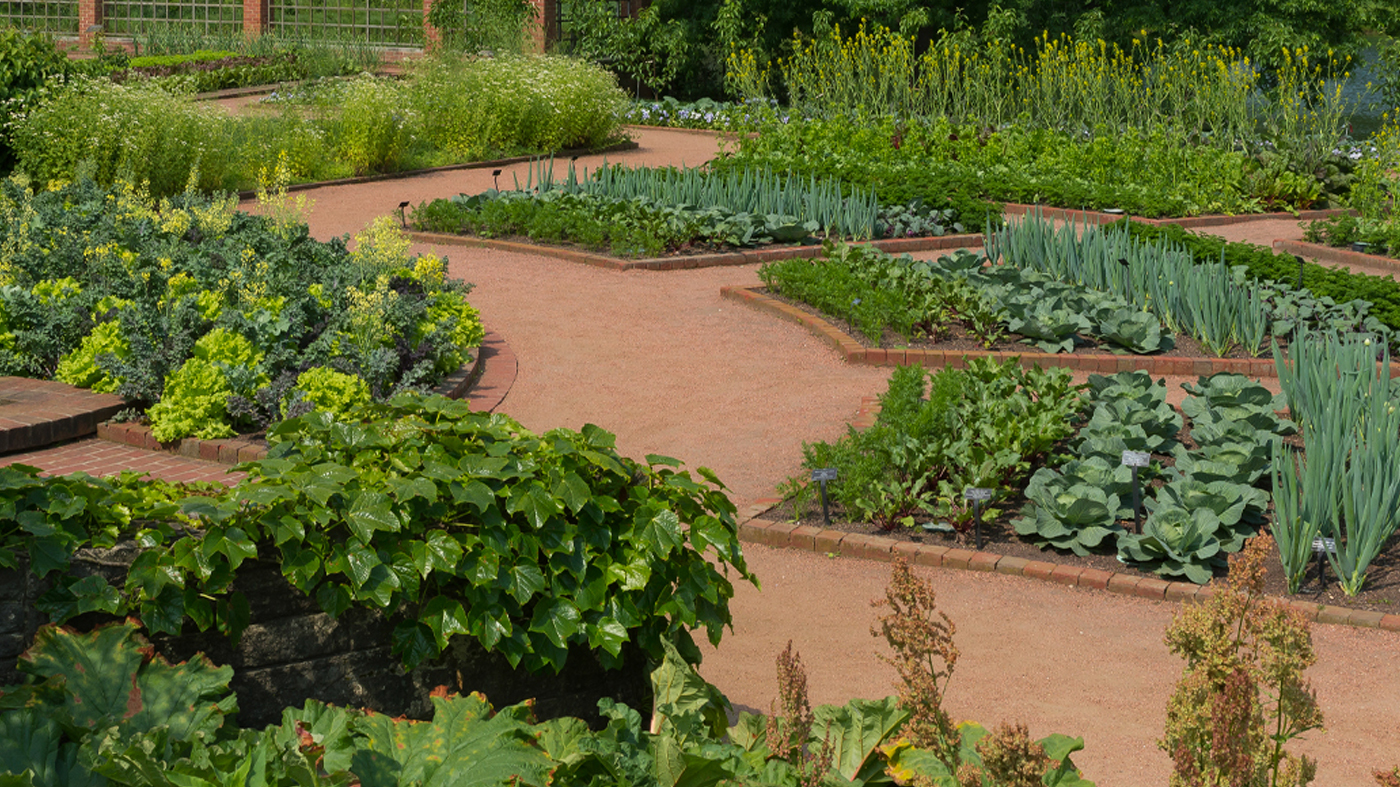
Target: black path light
403 220
1127 279
495 184
1300 270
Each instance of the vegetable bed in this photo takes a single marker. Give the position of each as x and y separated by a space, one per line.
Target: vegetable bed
651 212
1063 290
213 321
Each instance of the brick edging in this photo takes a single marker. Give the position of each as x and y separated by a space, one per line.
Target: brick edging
853 352
1332 254
871 547
477 374
743 257
413 173
1187 222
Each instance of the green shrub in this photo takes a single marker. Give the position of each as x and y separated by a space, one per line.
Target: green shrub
134 131
469 107
27 62
374 127
166 61
446 112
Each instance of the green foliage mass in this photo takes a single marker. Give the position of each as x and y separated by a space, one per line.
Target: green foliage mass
1260 263
985 426
27 62
528 544
449 110
208 314
98 708
336 393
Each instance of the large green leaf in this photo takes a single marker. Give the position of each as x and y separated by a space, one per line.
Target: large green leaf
113 678
29 742
465 745
856 730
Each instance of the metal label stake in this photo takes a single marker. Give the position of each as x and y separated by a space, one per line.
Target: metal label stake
977 495
1134 460
821 476
1322 546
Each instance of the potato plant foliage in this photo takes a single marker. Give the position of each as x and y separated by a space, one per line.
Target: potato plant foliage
464 522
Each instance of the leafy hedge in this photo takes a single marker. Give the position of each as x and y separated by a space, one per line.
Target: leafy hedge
99 709
213 316
1261 263
464 521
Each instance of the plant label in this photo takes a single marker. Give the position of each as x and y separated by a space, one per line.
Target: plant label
977 493
1325 545
1136 458
824 474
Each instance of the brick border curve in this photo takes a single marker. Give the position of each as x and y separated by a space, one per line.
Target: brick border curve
483 383
853 352
868 547
1332 254
747 257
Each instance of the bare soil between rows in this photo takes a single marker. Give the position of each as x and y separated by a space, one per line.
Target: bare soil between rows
960 339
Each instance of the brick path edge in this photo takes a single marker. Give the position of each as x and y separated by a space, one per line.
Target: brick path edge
786 535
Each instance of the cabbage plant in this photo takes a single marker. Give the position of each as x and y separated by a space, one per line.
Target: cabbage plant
1073 516
1180 543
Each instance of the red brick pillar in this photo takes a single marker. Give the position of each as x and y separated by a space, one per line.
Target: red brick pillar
542 24
431 37
89 16
256 16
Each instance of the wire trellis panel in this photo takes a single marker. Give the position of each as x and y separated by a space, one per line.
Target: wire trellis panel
54 17
217 17
379 22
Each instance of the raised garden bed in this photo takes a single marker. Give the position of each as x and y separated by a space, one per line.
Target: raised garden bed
1372 263
685 261
855 352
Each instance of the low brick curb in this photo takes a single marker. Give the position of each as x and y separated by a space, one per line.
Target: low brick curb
36 413
483 382
1332 254
838 542
413 173
855 353
1187 222
747 257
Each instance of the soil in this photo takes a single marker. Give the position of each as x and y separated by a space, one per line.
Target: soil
960 339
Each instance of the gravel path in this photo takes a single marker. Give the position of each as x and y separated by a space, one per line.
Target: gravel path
662 361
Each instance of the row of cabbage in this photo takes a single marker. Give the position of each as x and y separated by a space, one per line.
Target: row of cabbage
1210 502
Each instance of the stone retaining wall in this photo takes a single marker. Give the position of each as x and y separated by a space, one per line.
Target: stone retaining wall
293 652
